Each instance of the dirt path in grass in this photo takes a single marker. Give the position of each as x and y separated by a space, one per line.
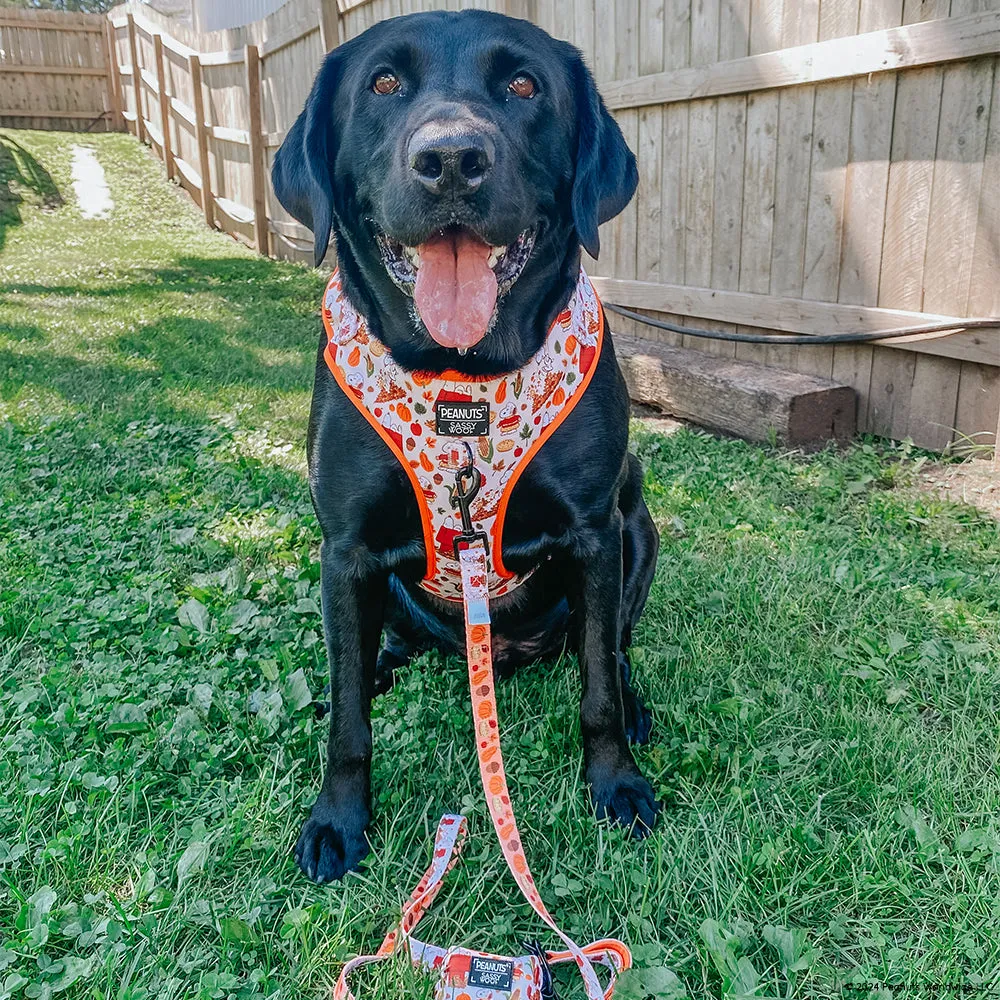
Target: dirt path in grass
90 185
975 482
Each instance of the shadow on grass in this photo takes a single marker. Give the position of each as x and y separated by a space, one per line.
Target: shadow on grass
239 279
20 171
22 331
269 344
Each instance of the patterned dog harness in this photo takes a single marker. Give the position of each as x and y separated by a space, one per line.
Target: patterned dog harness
423 418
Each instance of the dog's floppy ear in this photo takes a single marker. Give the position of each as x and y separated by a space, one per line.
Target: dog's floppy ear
606 175
300 174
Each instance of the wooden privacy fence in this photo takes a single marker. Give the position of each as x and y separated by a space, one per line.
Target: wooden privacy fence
55 71
805 168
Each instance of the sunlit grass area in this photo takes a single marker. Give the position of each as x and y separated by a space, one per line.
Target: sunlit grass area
820 650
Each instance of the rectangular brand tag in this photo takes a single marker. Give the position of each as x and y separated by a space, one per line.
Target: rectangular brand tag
493 973
458 419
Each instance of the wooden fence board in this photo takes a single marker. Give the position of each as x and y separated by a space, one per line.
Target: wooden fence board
258 182
895 378
135 70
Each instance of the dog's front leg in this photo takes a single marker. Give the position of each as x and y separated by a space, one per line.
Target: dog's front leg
333 839
619 790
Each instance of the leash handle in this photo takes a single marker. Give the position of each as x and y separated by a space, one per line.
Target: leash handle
448 842
475 599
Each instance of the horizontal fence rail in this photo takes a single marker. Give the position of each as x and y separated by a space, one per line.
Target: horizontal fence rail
909 47
804 169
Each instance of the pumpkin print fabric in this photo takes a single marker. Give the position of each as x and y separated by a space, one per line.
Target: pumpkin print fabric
525 408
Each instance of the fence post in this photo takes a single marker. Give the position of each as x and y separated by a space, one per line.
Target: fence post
257 150
207 206
161 82
140 128
329 24
109 46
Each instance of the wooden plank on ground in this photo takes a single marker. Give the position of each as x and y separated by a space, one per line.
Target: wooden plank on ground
739 397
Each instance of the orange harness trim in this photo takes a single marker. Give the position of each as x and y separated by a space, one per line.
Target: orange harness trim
526 406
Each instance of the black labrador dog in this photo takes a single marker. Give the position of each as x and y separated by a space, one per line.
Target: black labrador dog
482 130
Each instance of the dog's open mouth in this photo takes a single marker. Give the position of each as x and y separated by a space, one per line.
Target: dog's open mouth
455 279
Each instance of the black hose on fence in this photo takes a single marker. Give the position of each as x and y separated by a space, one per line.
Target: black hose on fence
942 329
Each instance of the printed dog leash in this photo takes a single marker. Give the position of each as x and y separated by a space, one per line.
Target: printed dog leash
471 551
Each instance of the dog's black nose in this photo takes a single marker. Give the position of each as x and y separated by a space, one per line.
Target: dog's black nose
447 159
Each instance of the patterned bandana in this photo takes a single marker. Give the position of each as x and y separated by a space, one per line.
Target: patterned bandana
427 418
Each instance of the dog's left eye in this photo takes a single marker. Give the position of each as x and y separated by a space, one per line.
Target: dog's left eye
386 83
522 86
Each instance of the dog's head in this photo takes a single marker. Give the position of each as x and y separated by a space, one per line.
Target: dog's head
460 160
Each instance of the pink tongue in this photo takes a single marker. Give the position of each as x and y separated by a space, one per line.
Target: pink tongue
456 292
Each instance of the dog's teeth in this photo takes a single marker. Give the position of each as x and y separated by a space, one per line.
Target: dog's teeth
462 351
412 255
495 254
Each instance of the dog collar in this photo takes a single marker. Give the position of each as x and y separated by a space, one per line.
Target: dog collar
426 418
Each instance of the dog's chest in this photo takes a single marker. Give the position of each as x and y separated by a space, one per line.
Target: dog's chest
432 422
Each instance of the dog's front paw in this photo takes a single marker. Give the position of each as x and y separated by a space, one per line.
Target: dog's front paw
332 842
625 797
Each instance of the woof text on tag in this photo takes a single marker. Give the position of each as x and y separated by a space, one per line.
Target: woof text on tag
462 419
491 972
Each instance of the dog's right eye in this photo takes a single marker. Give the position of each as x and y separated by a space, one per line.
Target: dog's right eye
386 83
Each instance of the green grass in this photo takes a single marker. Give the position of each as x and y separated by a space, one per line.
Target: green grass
820 648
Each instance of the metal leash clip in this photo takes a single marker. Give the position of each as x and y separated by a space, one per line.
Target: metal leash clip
462 497
548 987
